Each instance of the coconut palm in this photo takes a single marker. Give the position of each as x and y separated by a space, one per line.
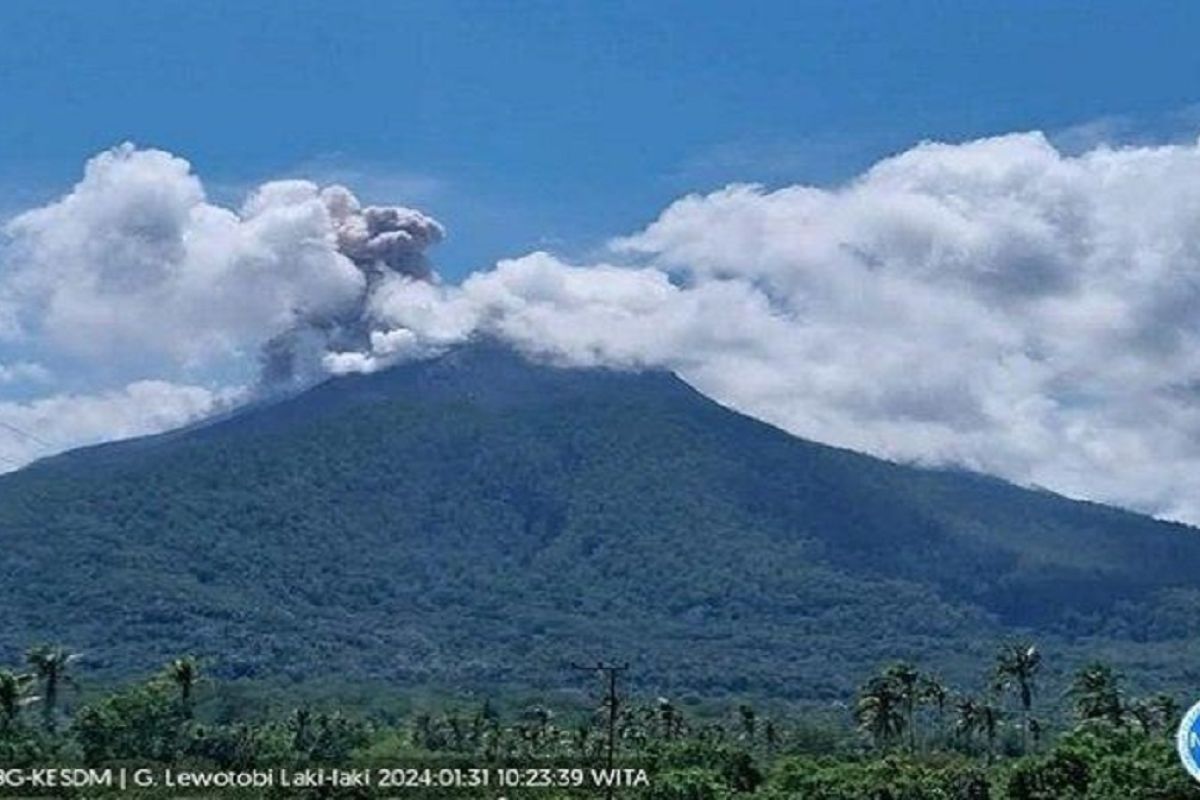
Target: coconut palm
967 718
422 731
1159 712
50 665
933 693
990 716
977 717
771 736
880 711
184 672
1167 708
1142 714
301 725
12 695
536 727
670 720
457 726
908 683
1096 694
1017 666
1036 729
748 719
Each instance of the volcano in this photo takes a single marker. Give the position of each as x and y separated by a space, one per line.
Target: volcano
479 520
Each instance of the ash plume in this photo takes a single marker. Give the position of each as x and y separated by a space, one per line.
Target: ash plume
383 242
379 239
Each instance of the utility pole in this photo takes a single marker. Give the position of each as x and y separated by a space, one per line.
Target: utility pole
610 673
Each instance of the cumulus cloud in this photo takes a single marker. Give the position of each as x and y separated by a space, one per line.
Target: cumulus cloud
134 273
996 305
41 427
135 263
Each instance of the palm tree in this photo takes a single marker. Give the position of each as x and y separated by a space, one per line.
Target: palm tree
184 672
880 712
1157 713
670 719
458 732
749 722
422 733
967 721
1035 731
492 740
771 736
1143 715
908 682
933 693
990 715
1096 694
1167 709
536 726
50 666
301 726
581 740
1017 666
12 695
978 716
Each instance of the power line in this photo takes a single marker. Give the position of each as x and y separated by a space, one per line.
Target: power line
31 437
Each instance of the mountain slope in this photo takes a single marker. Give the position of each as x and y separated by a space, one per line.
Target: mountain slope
480 521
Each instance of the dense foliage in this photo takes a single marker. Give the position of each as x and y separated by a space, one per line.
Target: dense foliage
479 521
908 737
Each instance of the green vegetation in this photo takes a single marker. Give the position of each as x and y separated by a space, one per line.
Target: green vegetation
909 737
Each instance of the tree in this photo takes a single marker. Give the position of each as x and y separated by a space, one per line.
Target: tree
1141 713
139 722
12 695
1017 666
1166 709
771 736
458 731
1096 694
50 665
184 672
933 693
749 722
1153 714
908 684
536 727
422 731
670 720
301 725
484 718
879 711
978 717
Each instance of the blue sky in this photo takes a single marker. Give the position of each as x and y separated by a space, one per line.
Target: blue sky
558 124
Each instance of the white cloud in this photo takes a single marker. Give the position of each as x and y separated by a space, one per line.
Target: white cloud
994 304
134 274
41 427
134 264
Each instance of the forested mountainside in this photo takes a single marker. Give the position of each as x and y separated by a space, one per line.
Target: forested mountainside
479 520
